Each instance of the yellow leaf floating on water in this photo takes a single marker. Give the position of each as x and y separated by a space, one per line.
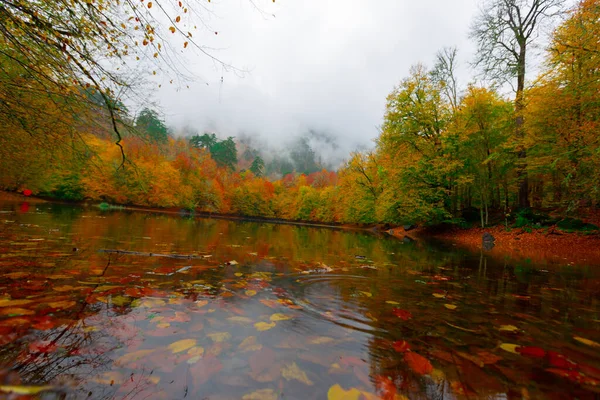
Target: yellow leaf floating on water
321 340
14 303
367 294
450 306
182 345
120 300
196 351
394 303
264 326
262 394
131 357
439 295
105 288
238 274
250 293
163 325
280 317
587 342
15 311
292 371
508 328
336 392
109 378
249 344
201 303
240 320
219 337
24 390
510 347
62 304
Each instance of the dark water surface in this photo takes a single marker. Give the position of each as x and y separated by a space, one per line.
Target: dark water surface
263 311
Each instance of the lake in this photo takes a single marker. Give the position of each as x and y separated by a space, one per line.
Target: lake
134 305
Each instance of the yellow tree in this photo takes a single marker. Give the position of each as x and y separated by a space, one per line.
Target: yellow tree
564 109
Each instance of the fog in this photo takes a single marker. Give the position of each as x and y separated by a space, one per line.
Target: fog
301 65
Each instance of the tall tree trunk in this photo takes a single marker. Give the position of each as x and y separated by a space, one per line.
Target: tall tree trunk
520 131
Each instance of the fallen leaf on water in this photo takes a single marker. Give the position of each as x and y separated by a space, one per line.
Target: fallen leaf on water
292 371
14 303
120 300
392 302
232 262
439 295
587 342
321 340
219 337
131 357
336 392
510 347
401 346
240 320
249 344
182 345
264 326
14 311
24 390
238 274
250 293
450 306
201 303
402 314
196 351
270 303
487 357
418 363
508 328
279 317
531 351
262 394
367 294
43 346
62 304
109 378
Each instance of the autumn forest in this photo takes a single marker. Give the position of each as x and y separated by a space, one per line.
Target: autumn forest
444 150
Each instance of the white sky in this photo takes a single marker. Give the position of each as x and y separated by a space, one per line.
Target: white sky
326 64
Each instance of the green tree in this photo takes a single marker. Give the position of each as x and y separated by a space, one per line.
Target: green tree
205 141
152 126
225 153
258 166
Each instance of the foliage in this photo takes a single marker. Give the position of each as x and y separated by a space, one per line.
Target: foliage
151 125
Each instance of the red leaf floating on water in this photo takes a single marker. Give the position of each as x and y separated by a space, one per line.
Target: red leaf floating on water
27 192
559 361
402 314
590 371
42 347
401 346
419 364
531 351
385 387
44 323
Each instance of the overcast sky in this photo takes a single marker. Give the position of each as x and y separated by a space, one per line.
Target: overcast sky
326 64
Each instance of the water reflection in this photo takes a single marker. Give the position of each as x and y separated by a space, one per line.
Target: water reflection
276 311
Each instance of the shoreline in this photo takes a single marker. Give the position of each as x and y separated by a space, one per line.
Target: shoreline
549 245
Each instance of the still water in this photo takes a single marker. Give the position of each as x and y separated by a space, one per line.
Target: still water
131 305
